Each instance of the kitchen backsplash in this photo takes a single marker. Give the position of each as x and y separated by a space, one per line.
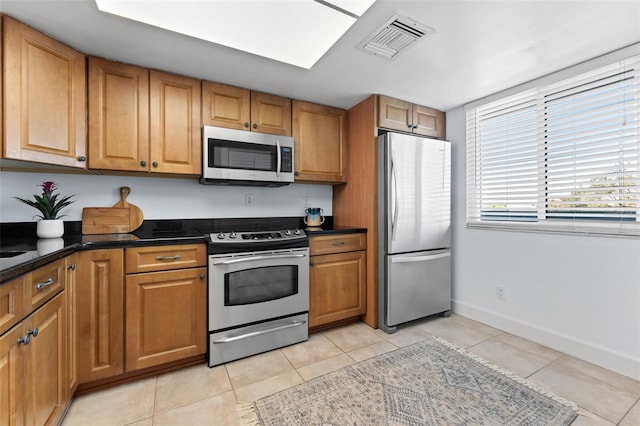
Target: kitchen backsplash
161 198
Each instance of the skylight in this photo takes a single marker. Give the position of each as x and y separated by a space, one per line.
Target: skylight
297 32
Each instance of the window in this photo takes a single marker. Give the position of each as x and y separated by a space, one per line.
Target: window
560 157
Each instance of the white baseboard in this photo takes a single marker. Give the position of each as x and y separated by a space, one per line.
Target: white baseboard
601 356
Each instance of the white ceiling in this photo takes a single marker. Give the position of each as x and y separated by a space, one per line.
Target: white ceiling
479 48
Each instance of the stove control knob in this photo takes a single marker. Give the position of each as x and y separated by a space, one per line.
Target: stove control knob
287 232
297 232
233 235
221 236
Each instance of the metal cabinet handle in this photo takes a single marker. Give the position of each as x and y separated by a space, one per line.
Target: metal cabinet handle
82 158
72 267
162 258
338 243
154 164
33 332
45 284
246 124
255 126
143 163
202 276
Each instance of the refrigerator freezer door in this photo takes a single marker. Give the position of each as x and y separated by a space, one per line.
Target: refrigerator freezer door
417 193
417 285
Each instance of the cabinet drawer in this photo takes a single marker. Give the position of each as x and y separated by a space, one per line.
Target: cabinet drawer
162 258
43 283
325 244
11 303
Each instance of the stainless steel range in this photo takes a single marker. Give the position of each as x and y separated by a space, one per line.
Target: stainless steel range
258 292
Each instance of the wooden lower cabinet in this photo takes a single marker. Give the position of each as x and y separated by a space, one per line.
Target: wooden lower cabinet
12 380
33 385
337 278
166 316
100 316
129 322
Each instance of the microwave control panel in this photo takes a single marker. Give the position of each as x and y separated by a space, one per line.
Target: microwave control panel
286 155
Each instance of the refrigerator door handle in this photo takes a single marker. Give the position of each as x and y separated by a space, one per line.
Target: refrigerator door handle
396 204
419 258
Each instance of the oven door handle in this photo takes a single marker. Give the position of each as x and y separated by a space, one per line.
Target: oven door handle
256 258
259 332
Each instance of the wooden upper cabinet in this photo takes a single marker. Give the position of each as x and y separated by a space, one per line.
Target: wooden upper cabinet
45 98
270 114
118 116
319 132
175 144
238 108
404 116
429 122
395 114
225 106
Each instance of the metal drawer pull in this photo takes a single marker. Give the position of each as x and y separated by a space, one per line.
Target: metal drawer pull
338 243
45 284
258 333
176 257
256 258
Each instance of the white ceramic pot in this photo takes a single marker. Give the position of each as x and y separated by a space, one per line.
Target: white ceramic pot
50 228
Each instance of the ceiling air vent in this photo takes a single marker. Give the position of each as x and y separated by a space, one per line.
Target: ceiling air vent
395 36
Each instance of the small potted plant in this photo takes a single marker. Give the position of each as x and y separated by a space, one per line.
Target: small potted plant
49 204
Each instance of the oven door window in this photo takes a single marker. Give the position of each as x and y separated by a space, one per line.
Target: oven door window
258 285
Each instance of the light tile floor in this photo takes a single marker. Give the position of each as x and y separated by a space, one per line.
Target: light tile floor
208 396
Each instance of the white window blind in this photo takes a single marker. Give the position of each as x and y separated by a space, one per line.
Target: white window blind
561 157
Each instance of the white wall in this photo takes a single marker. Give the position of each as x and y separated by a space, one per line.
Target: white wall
160 198
578 294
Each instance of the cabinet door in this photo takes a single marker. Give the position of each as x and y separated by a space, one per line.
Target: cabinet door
175 143
225 106
71 312
319 133
395 114
118 116
45 375
270 114
12 377
45 98
11 303
101 314
337 287
428 122
166 316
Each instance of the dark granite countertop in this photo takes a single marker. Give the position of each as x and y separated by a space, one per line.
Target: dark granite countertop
30 253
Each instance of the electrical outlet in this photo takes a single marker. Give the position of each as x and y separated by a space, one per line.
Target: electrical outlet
500 293
248 200
307 202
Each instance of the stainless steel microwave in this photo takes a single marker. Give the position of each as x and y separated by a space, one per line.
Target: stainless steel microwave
240 157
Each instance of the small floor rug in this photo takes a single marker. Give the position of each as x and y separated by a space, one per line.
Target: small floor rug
428 383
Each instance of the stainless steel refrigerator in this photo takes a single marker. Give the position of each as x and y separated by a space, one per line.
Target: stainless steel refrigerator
414 232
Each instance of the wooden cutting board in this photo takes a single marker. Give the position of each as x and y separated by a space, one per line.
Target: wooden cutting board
135 214
105 220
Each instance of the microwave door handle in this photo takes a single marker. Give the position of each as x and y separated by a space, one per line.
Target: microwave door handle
256 258
278 158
